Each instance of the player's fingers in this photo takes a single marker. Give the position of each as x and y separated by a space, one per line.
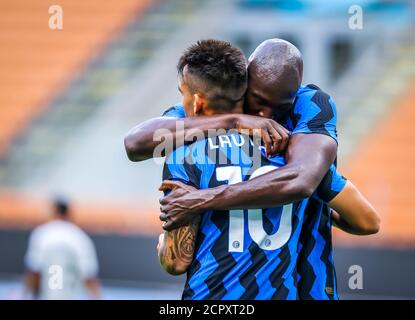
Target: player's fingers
168 226
164 200
276 139
167 209
169 185
267 141
163 217
285 137
284 134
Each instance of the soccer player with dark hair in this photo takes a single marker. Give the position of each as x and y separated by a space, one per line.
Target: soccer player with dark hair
246 254
275 91
222 81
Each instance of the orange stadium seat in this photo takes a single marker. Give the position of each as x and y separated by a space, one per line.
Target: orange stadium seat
382 167
37 62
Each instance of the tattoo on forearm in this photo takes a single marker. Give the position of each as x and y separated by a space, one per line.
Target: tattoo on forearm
179 245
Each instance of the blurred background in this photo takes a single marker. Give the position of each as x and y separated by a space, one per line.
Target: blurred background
68 96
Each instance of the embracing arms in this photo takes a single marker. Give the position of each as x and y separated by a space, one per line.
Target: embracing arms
141 141
293 182
354 214
309 157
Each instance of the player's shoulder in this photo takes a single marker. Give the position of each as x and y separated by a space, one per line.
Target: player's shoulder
311 93
176 111
332 184
307 91
312 103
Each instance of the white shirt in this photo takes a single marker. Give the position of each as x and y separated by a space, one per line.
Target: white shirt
64 256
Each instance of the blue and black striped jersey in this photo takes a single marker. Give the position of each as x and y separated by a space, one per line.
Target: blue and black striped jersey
313 112
315 267
240 254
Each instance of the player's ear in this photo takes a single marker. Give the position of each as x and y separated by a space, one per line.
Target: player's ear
199 104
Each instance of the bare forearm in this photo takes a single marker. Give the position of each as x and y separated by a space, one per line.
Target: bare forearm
353 212
349 227
177 250
142 140
308 159
342 224
275 188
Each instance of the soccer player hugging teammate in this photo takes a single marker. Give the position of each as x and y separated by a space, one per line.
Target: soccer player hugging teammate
250 253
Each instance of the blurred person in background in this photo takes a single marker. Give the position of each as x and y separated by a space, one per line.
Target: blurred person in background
61 259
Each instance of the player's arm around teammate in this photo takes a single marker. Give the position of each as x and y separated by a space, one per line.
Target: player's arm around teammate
140 142
353 214
297 180
274 91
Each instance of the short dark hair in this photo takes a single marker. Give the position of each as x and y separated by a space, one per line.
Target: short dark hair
61 207
220 71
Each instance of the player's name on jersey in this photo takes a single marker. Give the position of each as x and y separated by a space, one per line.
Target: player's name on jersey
229 140
217 153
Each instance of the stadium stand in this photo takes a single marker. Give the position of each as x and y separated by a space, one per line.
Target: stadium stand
382 167
120 59
37 62
376 152
120 56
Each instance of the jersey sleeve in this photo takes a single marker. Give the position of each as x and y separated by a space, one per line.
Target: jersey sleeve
180 166
315 112
331 185
176 111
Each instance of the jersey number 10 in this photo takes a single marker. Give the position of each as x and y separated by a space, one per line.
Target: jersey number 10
233 174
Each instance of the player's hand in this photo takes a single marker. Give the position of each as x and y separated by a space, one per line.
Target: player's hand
167 185
178 207
274 136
